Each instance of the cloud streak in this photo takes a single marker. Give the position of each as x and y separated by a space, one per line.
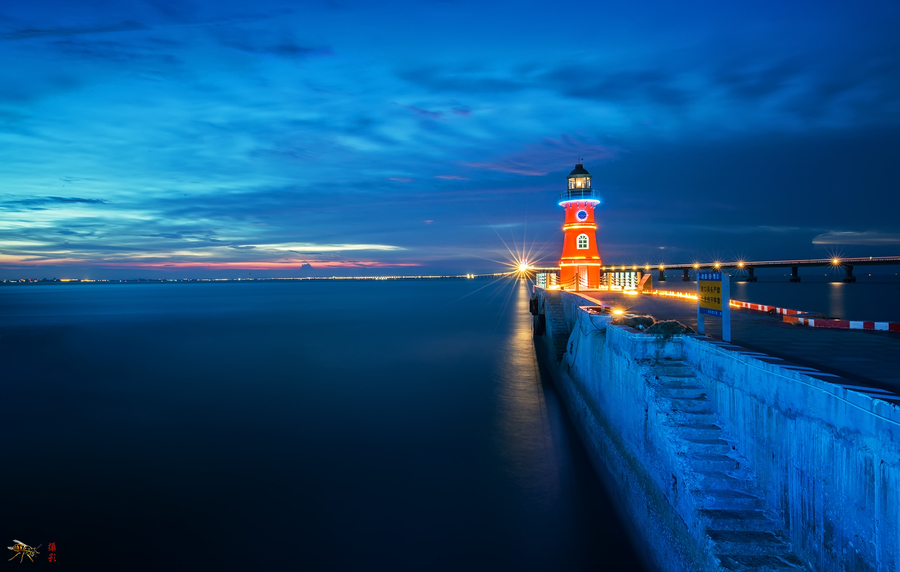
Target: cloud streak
26 34
549 155
41 203
866 238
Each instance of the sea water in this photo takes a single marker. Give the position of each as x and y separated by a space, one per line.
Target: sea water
343 425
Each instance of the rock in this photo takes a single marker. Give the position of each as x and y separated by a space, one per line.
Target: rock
669 328
635 321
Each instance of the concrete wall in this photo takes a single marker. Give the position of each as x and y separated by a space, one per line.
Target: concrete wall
827 460
605 400
827 457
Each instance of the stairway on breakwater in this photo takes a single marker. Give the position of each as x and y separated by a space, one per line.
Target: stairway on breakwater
727 501
556 323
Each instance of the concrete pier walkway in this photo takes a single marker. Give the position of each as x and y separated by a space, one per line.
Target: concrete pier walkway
869 358
776 451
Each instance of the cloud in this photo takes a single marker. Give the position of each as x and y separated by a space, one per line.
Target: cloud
240 265
41 203
49 32
309 248
451 177
288 49
869 238
706 82
425 112
549 155
656 85
463 81
117 52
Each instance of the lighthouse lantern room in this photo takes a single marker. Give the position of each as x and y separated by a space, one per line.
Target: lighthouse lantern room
580 262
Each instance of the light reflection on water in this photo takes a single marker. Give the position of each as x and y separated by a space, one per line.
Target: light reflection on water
837 306
525 435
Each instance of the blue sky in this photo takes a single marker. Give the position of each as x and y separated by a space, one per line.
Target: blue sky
156 138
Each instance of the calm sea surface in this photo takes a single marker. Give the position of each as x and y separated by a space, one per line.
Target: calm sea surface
284 426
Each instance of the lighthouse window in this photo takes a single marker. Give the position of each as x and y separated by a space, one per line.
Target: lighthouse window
579 182
582 241
571 183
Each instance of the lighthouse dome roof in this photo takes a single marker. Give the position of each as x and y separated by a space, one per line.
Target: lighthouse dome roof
579 171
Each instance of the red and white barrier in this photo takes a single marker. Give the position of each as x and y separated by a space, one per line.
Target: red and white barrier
794 316
846 324
764 308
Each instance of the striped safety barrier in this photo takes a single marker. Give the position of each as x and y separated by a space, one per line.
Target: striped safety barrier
844 324
764 308
797 316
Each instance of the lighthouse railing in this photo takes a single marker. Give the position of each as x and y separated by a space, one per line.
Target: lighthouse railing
578 195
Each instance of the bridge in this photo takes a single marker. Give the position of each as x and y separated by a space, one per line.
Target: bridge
847 264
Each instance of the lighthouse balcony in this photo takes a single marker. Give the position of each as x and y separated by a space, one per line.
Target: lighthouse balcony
579 195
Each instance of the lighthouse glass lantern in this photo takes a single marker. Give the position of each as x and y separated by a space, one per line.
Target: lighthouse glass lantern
580 263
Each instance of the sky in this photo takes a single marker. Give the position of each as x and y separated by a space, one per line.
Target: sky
156 138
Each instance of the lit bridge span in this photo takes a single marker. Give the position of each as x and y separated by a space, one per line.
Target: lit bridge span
846 263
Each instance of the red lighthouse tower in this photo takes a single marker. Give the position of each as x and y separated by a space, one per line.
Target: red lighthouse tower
580 262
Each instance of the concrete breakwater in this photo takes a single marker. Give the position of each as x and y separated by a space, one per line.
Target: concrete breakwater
722 458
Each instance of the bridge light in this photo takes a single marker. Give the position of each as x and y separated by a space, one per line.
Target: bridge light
717 264
740 264
647 267
634 267
523 266
836 261
696 265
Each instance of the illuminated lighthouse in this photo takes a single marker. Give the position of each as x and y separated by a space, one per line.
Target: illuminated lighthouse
580 262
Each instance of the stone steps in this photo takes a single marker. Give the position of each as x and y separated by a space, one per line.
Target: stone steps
720 480
673 368
726 499
692 404
746 542
698 430
758 562
556 321
712 462
683 417
725 518
684 391
729 504
711 445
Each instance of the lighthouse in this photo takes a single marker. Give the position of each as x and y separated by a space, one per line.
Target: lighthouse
580 262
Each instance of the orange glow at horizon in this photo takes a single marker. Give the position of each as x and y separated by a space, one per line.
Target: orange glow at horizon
316 264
